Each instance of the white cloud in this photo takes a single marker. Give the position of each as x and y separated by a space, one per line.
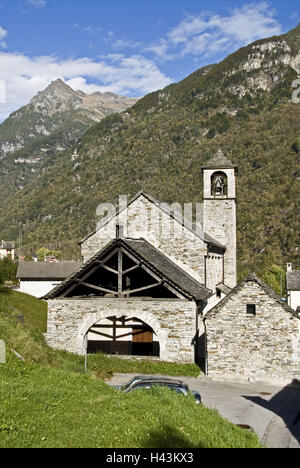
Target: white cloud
3 34
37 3
24 76
208 34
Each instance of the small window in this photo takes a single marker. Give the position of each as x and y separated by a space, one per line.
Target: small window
218 293
119 231
251 309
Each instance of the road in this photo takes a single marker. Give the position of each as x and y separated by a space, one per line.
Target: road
273 412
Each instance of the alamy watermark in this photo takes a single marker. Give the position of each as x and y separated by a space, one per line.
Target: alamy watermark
296 93
2 92
169 220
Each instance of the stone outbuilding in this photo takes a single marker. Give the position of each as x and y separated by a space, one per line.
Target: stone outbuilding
128 299
253 334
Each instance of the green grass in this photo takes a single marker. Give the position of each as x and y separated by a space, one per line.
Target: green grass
49 402
33 310
44 407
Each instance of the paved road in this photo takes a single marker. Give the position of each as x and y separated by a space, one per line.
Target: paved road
272 411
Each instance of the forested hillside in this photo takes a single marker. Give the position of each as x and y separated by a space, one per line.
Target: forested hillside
242 105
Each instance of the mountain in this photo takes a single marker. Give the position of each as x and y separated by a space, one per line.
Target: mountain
242 105
53 120
55 108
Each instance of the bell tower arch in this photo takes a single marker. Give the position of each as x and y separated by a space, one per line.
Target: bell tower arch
219 213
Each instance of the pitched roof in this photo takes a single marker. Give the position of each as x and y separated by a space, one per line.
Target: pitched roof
240 286
219 161
223 288
46 270
166 209
155 261
293 280
7 245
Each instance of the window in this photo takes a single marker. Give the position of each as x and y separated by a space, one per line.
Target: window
119 231
251 309
219 184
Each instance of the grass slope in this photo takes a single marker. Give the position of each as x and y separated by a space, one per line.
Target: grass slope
48 401
42 407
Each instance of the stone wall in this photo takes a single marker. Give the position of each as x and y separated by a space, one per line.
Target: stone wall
144 219
260 347
220 223
219 220
173 321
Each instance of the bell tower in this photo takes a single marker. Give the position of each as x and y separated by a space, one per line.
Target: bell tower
219 212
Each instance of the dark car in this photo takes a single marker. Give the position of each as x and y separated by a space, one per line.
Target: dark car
141 382
144 378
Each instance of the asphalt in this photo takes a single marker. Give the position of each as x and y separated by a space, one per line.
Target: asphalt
272 412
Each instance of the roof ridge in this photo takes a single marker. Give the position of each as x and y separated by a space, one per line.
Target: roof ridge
267 289
163 206
219 161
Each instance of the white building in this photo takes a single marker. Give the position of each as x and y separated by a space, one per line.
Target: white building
293 287
39 278
7 249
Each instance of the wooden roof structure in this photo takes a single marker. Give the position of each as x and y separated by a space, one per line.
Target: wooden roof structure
127 268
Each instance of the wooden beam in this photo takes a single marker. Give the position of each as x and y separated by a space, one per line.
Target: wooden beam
91 330
131 269
90 272
130 291
165 284
98 288
120 270
105 267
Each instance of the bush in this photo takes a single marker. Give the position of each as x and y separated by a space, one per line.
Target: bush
8 270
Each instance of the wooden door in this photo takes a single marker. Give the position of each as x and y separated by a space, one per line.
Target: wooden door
142 335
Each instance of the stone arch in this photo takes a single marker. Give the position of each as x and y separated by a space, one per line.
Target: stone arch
92 318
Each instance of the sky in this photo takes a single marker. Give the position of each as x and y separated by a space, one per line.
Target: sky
129 47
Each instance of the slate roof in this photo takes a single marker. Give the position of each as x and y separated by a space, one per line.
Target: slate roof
7 245
219 161
223 288
293 280
155 261
46 270
164 207
240 286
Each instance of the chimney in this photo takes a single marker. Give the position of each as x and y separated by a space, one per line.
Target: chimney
289 267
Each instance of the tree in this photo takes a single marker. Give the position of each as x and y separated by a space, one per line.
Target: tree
8 270
42 253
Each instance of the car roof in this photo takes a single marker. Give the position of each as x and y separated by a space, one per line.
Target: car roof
149 378
169 382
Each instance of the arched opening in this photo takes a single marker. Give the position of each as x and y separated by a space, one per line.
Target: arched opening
219 184
124 336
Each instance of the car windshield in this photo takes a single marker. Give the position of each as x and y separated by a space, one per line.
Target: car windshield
128 384
176 388
147 380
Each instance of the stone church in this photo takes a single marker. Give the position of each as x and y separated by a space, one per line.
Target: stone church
149 278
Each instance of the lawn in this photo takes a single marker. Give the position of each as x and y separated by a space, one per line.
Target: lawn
45 407
49 402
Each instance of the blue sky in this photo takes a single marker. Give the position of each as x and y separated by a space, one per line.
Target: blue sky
130 47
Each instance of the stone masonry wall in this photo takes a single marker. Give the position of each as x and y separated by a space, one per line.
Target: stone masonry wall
146 220
220 223
173 321
254 347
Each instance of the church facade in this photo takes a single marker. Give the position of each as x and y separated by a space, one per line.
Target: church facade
149 278
149 275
